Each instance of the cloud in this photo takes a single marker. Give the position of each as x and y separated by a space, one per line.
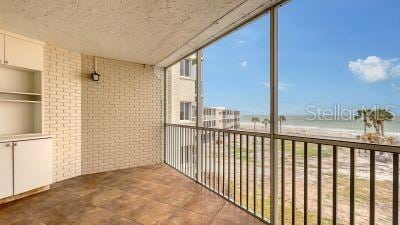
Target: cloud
374 69
281 86
395 86
244 63
239 42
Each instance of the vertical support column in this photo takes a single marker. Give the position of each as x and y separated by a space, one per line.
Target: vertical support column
274 112
165 114
199 107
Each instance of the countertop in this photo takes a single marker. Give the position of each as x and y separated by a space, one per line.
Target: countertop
23 137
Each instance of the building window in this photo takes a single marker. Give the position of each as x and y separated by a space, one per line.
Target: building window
185 67
185 110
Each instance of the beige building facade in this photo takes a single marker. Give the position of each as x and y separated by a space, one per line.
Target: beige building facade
182 82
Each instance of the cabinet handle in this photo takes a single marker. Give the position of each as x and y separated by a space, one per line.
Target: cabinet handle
8 145
15 143
5 61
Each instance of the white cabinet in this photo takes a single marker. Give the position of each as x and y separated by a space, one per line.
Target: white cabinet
32 164
1 49
25 164
6 169
22 53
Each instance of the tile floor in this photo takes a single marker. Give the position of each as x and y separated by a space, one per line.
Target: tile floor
145 195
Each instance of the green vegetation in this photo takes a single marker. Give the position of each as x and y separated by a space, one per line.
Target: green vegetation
255 120
374 117
265 121
312 149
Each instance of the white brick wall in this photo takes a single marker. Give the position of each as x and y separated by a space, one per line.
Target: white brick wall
99 126
62 109
122 120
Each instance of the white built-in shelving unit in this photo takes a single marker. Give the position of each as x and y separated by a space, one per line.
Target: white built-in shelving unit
21 65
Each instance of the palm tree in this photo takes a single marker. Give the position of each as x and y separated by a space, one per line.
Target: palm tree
378 118
265 122
364 115
281 120
255 120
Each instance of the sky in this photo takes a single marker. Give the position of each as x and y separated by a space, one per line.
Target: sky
343 52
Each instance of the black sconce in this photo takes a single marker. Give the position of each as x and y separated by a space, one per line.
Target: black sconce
95 76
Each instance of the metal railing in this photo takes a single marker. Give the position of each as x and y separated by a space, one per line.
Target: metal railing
236 165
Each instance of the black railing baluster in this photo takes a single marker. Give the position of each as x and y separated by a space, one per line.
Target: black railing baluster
372 188
241 172
202 155
214 163
247 172
352 186
293 182
395 189
219 162
234 168
223 164
335 190
180 149
262 178
305 183
209 159
254 174
176 146
319 213
187 164
283 181
229 165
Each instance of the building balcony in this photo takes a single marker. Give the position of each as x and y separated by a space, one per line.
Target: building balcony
90 129
237 166
155 194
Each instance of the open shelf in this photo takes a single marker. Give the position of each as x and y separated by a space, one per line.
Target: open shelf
19 93
20 102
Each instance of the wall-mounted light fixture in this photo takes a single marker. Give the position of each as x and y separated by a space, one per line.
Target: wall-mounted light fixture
95 76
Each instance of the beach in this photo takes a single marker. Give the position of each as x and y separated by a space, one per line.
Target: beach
315 132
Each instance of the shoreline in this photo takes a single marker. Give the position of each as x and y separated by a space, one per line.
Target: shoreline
345 134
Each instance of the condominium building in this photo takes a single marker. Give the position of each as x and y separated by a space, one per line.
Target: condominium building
220 117
182 85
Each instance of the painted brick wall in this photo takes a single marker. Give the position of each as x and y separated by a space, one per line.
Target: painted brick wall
122 115
62 109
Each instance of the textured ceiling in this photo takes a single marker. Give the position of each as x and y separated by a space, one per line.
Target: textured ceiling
142 31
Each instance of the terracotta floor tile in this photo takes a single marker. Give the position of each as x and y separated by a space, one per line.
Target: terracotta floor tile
152 213
98 216
181 216
27 221
101 195
67 213
125 221
12 212
235 215
125 205
206 204
137 196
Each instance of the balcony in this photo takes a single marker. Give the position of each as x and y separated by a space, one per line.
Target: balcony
236 165
154 194
92 90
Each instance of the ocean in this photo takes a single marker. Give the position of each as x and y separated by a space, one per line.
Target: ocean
303 121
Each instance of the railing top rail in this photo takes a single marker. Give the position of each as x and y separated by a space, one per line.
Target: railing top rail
250 133
311 140
342 143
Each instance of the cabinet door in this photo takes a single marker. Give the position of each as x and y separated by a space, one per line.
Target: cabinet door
1 48
32 164
22 53
6 170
